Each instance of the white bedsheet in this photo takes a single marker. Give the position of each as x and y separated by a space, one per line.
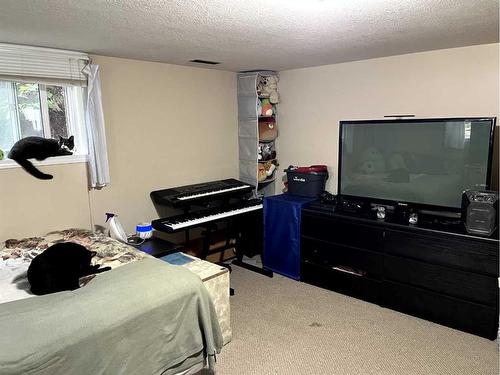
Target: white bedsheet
14 283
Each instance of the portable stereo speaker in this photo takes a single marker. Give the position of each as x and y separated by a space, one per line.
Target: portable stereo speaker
479 211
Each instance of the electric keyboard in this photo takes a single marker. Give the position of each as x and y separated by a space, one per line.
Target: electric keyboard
191 194
193 219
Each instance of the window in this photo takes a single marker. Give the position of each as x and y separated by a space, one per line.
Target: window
44 92
33 109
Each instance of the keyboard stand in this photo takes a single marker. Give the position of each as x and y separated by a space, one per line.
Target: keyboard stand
207 237
248 222
251 267
231 232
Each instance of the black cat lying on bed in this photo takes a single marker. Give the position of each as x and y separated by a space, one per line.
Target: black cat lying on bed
60 267
40 149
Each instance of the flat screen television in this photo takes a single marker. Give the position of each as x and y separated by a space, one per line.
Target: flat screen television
426 163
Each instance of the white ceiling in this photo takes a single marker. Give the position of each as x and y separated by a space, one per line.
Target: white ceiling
251 34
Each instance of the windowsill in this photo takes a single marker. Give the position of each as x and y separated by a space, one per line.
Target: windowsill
69 159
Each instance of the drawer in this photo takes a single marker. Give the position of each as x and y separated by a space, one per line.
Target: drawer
330 255
356 286
468 254
342 232
450 281
466 316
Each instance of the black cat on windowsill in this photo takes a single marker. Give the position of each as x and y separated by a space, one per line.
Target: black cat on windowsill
40 149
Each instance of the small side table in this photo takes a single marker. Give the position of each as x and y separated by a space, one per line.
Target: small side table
157 247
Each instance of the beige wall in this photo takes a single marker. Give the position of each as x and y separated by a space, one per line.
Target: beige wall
445 83
31 207
169 125
166 126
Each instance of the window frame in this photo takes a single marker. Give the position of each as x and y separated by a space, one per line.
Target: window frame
44 110
75 123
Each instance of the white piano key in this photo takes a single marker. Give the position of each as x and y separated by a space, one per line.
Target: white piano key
213 217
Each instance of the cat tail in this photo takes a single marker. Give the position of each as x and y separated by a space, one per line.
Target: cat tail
32 170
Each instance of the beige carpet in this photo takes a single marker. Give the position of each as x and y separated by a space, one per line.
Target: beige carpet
281 326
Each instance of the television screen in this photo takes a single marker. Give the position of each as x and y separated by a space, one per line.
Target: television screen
428 162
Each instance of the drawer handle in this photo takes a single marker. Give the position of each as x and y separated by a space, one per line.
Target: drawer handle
349 270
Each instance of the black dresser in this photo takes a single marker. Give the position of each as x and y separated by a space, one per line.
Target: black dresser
438 273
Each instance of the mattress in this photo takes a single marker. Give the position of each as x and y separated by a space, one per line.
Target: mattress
142 317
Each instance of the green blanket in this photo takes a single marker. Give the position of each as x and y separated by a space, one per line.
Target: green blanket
143 318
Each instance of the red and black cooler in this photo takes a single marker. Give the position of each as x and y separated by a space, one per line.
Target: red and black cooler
306 181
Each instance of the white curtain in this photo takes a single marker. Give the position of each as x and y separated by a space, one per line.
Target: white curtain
94 118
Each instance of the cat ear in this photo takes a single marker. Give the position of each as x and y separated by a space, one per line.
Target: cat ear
71 139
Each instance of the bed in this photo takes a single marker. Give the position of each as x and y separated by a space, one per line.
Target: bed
142 317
